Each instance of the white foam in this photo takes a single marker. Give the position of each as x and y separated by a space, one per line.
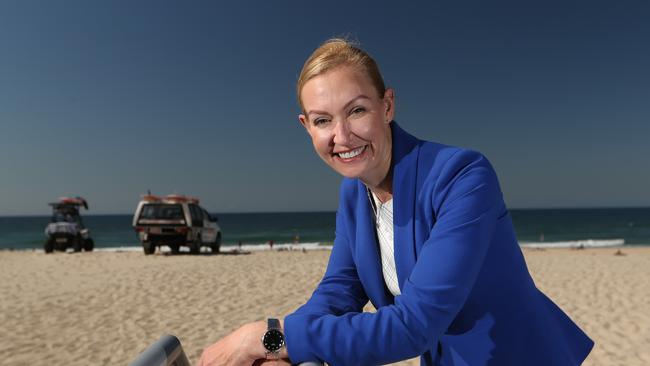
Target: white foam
282 246
119 249
228 248
587 243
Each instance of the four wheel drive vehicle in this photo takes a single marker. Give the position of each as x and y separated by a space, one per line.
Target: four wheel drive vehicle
66 229
175 220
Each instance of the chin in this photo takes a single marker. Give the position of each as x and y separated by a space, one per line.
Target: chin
349 173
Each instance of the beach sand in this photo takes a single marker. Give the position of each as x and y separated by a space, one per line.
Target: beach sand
104 308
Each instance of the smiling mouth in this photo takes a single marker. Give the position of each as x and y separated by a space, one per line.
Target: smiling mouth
350 154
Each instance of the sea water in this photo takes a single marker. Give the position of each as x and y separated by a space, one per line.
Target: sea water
534 227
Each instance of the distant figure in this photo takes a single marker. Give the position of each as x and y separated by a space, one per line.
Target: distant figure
239 245
271 244
296 239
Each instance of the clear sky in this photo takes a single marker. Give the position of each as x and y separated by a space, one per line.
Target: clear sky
107 99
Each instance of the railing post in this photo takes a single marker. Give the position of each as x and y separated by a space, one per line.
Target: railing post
166 351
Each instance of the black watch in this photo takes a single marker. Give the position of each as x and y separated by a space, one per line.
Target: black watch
273 339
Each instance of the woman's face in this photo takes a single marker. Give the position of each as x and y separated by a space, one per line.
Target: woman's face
349 123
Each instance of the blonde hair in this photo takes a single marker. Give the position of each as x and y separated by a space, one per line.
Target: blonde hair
337 52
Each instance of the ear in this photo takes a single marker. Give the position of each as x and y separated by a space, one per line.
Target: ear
389 104
303 121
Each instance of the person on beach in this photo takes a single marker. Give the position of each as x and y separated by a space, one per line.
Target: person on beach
422 232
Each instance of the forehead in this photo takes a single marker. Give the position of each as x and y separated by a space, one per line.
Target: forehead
336 86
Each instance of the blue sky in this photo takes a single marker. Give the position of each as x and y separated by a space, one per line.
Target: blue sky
109 99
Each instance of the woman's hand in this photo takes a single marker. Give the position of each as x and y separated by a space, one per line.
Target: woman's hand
240 348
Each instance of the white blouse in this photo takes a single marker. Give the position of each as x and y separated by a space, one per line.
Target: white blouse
384 227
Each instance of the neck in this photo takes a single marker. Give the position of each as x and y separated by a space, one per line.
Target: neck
383 190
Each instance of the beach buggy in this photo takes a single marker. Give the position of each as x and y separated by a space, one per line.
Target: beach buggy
175 221
66 229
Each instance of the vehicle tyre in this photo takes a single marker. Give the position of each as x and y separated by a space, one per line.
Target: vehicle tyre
49 245
195 247
77 243
175 248
60 247
148 247
216 246
89 245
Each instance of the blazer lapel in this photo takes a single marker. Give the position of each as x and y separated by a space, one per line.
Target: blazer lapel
367 249
405 161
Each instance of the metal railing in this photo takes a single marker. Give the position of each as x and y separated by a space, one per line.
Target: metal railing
166 351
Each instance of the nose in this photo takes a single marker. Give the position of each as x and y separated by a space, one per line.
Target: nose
341 132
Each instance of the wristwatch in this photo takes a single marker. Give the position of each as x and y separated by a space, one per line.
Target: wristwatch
273 339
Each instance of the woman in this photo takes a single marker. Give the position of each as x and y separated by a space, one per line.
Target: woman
422 232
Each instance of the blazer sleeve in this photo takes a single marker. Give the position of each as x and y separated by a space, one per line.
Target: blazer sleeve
467 200
340 291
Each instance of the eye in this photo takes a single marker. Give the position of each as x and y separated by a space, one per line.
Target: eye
357 110
320 121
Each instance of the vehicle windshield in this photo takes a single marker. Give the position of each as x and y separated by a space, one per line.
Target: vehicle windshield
161 211
66 214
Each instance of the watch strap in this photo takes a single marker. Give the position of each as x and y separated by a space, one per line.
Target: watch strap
273 323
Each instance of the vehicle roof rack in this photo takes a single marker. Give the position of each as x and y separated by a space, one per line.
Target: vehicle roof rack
170 198
70 201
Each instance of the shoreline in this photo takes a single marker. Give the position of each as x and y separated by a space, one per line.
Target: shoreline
204 250
566 244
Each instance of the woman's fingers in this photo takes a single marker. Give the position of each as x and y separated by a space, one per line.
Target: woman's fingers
240 348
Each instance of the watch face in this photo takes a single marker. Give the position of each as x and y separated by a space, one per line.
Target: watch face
273 340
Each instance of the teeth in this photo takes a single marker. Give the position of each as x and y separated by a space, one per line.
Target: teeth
351 154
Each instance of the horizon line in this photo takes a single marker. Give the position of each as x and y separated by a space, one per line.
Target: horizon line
334 211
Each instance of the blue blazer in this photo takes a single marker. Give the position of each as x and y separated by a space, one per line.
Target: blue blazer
466 295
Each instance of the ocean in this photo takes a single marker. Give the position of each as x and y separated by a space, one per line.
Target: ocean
534 227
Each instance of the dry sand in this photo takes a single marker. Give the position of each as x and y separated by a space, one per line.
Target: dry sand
104 308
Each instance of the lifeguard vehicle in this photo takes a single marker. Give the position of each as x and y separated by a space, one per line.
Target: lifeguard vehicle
175 221
66 229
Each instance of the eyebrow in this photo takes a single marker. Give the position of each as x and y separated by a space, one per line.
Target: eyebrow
362 96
